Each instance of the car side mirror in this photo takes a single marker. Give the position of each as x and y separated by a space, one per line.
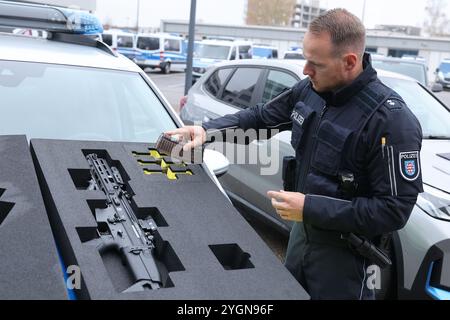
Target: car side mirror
216 162
437 70
437 87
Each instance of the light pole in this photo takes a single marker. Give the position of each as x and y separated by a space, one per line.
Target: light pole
190 51
363 11
137 16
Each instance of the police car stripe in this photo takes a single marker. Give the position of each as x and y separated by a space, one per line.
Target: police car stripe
393 169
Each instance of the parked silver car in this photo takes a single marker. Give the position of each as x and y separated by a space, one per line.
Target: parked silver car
421 250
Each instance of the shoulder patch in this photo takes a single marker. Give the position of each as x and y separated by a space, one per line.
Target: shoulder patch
409 165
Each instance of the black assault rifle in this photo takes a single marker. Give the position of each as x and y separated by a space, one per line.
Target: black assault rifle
368 250
121 231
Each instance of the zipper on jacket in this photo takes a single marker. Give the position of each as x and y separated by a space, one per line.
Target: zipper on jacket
308 153
308 157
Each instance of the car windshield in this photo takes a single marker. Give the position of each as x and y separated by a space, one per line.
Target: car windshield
445 67
433 116
212 51
79 103
413 70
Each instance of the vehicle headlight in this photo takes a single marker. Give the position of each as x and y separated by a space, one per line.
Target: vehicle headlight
440 75
434 202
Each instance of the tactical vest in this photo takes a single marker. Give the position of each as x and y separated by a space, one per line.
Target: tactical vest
321 135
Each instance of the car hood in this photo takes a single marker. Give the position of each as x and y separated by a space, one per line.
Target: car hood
435 169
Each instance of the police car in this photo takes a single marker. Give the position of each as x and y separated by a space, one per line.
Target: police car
211 51
159 50
123 42
72 86
421 250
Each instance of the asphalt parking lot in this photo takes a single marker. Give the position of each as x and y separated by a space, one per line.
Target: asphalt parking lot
172 86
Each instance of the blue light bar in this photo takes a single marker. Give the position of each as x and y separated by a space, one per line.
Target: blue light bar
49 18
82 22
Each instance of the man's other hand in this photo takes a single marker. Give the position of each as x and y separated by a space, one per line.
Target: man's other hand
193 136
289 205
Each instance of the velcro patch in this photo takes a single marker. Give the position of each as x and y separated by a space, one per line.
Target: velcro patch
409 165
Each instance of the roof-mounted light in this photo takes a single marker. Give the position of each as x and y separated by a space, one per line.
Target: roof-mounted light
49 18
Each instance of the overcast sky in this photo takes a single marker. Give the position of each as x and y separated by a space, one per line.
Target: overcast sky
124 12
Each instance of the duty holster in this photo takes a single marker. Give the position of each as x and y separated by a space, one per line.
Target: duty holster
288 173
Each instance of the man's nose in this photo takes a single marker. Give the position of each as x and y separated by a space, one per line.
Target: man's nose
307 71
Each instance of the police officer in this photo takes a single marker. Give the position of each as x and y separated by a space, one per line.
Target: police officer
357 166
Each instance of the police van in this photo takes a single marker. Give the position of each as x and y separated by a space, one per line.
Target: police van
208 52
264 51
159 50
121 41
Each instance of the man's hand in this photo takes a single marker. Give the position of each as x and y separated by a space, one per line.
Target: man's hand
194 136
289 205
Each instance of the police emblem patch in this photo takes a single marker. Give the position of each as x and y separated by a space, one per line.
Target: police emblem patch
409 165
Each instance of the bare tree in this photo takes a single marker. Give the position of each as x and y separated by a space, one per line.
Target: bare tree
436 21
270 12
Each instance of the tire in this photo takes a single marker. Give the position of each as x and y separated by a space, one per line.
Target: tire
166 68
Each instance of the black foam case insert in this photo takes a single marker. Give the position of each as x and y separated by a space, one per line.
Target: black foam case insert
208 249
29 262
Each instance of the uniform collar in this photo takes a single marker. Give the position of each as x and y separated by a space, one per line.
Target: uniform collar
340 96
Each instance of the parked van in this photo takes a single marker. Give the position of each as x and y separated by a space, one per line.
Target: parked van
443 73
121 41
209 52
261 51
294 53
159 50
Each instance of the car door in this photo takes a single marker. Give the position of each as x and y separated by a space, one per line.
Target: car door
251 181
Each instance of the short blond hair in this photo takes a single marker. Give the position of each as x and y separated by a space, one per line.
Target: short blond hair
345 29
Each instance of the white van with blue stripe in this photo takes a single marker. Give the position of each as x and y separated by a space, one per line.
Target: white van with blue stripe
123 42
159 50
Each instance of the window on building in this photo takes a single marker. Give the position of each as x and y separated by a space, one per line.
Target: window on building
372 49
398 53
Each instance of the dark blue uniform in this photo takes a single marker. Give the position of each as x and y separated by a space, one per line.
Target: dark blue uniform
364 131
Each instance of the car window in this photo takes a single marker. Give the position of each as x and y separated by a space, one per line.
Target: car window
171 45
241 86
148 43
210 51
244 52
413 70
107 38
216 80
79 103
125 41
433 117
276 82
233 53
445 67
294 55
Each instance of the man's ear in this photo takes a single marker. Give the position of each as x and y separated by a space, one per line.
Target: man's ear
350 61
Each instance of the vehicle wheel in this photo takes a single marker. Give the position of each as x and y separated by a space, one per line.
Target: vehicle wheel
166 68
